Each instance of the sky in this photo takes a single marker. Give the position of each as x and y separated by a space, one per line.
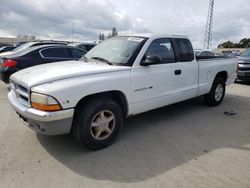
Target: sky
55 19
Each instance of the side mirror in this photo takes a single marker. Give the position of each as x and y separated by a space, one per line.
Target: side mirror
150 60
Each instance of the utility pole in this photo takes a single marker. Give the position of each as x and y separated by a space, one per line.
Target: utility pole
209 27
73 28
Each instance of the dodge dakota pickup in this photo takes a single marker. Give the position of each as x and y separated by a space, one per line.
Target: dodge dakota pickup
121 77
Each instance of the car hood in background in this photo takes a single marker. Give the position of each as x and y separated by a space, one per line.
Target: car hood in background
244 59
62 70
6 53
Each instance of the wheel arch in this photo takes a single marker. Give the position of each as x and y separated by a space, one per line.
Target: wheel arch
222 74
116 95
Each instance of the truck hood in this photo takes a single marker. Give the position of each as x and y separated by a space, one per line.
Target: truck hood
62 70
244 59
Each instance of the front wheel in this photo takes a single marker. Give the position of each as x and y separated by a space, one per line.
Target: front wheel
217 92
97 123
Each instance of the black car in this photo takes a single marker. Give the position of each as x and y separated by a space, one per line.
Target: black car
10 64
86 46
30 44
7 48
20 43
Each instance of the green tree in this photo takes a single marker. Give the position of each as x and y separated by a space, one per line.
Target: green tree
227 44
101 36
244 43
114 32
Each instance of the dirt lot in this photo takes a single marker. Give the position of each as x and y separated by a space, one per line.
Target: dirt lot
182 145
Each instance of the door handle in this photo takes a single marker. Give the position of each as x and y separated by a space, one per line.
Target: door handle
177 72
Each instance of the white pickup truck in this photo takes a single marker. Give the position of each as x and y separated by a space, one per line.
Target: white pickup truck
120 77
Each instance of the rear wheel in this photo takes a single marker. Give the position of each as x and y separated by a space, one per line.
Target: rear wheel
97 123
217 92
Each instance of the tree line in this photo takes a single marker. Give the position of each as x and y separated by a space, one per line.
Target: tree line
112 34
244 43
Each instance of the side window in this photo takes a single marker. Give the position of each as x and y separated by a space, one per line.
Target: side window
84 47
184 50
163 49
55 53
203 54
210 54
34 54
77 53
90 47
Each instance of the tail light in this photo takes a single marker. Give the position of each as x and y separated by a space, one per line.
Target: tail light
9 63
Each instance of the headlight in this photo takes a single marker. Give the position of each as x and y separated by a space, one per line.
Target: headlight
240 61
44 102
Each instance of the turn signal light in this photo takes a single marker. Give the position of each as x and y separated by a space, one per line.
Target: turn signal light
46 107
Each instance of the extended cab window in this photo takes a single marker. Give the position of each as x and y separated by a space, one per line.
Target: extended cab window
163 49
184 50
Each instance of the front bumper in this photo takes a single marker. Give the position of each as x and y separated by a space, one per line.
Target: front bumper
47 123
243 75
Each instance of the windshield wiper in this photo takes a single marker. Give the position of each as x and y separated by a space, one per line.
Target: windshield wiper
102 59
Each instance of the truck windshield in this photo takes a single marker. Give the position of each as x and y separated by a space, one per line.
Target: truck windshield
246 53
116 50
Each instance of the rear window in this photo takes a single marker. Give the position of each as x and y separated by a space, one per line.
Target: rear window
184 50
86 47
55 53
77 53
34 54
9 47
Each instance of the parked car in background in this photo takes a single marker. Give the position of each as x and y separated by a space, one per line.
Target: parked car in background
20 43
236 52
205 53
28 45
243 72
7 48
233 55
84 46
37 55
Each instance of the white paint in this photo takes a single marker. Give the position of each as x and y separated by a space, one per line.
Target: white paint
145 87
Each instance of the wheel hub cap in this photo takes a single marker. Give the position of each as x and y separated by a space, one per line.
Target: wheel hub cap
219 92
102 125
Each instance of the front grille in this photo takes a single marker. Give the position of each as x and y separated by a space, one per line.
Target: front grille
21 92
244 69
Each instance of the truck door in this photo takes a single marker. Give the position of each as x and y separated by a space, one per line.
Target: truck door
185 55
157 84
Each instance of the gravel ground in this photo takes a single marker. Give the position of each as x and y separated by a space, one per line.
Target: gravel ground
183 145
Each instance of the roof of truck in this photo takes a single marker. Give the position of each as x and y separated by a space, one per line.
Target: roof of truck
156 35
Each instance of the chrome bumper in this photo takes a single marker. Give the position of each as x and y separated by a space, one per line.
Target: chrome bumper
48 123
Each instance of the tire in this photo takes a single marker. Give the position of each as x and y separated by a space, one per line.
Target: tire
99 115
217 92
